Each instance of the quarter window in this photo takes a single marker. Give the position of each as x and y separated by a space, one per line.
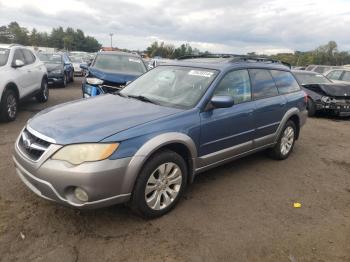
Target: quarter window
262 83
285 82
237 85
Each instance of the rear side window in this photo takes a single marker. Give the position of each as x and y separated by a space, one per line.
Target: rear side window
335 75
262 83
285 82
346 76
28 56
237 85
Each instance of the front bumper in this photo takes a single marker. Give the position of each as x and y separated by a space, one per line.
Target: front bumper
339 109
55 79
104 181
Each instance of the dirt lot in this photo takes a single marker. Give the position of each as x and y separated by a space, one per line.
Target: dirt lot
242 211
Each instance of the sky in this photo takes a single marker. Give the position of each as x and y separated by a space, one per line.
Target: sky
220 26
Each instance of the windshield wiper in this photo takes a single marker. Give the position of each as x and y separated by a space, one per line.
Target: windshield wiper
143 98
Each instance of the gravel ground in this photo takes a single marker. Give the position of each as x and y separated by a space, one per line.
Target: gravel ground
242 211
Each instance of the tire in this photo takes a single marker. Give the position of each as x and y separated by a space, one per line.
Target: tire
163 191
286 141
65 80
72 77
311 108
43 95
8 106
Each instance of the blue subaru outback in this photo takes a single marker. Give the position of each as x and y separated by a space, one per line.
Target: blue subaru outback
144 144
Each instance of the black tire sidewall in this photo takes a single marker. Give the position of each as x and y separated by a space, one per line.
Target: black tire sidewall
138 202
41 97
4 116
311 108
65 80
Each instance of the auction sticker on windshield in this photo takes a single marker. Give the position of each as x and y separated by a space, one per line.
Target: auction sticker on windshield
200 73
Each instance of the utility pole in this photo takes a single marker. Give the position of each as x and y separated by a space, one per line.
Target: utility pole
111 35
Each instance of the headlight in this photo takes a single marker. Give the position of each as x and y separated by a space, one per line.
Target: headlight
325 99
94 81
57 71
80 153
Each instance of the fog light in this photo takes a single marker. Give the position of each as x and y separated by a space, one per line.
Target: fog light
80 194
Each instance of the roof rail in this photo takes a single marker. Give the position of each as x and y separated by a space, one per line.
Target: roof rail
238 58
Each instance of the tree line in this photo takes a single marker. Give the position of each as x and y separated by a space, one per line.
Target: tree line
66 39
327 54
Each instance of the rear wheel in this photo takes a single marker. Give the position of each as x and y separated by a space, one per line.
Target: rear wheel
160 184
8 106
43 95
285 144
311 107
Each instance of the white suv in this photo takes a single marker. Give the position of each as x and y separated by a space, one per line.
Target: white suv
22 75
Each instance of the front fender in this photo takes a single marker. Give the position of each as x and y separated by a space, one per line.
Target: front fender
151 146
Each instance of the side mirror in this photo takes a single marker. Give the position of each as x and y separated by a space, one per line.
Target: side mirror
18 63
84 66
222 101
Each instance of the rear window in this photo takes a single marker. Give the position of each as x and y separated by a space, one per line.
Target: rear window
262 83
346 76
285 82
335 75
309 78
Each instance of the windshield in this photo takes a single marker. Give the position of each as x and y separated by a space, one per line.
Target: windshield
119 64
50 58
4 55
173 86
307 79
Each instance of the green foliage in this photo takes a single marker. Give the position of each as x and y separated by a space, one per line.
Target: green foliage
169 51
68 39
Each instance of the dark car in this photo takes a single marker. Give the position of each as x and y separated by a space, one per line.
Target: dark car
323 94
59 68
144 144
110 72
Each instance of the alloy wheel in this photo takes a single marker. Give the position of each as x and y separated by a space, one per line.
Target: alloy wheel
163 186
11 106
287 140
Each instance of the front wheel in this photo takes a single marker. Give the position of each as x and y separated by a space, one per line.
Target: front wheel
160 184
311 108
8 106
285 144
65 80
43 95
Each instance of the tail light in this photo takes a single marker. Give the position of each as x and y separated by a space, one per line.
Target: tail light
305 97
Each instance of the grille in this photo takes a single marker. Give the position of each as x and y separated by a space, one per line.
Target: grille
33 146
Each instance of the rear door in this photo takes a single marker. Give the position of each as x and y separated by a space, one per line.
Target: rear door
34 70
229 129
270 107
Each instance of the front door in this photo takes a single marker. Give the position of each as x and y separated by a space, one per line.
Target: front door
226 132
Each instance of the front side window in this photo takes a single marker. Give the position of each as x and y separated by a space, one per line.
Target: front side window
4 56
237 85
346 76
18 55
263 84
335 74
119 64
285 82
28 56
173 86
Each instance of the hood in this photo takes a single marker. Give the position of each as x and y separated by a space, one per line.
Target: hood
333 89
93 119
51 67
118 78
